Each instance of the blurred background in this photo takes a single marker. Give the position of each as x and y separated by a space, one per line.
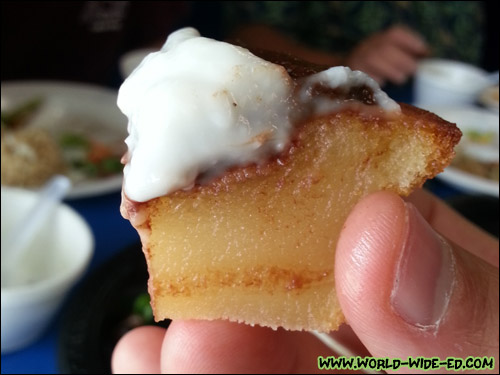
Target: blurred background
84 41
63 62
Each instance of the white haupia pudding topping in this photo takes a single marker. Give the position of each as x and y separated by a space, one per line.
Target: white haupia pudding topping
200 106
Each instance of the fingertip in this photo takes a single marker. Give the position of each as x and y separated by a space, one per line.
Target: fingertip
195 346
138 351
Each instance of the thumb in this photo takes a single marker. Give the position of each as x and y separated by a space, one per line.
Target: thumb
406 291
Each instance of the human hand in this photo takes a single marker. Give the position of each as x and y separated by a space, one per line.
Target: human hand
390 55
443 304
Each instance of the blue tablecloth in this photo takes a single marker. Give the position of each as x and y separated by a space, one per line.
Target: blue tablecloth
112 234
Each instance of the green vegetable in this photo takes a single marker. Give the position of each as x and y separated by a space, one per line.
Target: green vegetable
73 140
90 169
16 116
142 307
111 165
480 137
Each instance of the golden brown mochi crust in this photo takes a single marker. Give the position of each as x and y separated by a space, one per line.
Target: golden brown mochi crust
257 244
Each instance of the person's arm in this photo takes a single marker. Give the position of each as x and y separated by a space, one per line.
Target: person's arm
268 38
389 55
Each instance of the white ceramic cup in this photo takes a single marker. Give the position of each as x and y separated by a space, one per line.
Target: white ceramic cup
132 59
447 82
56 259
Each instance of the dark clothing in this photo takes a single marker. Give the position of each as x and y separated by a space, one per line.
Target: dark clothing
453 29
80 40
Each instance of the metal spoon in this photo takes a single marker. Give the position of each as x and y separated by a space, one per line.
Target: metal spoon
18 240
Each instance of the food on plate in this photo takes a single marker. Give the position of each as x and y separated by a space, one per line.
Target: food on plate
477 154
29 157
33 154
489 97
240 173
87 157
21 113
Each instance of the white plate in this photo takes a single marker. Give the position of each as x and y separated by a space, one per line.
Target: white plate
84 106
469 118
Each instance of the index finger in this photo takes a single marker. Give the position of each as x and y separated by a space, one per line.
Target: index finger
222 347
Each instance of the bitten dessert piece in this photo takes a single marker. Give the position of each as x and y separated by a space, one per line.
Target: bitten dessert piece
252 239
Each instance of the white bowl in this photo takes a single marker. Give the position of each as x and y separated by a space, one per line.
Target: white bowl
57 258
447 82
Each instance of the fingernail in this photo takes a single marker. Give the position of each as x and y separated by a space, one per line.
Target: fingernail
424 275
